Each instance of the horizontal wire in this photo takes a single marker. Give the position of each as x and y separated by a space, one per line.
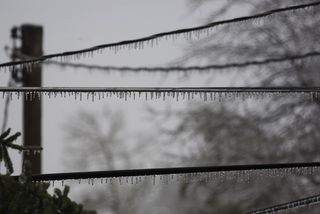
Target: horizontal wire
187 68
162 89
167 171
139 41
303 202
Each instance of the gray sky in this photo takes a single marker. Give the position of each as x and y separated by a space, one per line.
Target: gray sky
74 24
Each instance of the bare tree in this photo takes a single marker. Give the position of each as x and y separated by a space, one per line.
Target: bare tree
274 130
99 142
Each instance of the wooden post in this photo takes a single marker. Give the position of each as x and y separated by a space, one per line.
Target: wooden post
31 46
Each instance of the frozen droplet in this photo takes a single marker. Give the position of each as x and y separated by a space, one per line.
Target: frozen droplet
93 94
154 180
120 180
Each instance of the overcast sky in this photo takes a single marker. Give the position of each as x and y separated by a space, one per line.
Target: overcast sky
74 24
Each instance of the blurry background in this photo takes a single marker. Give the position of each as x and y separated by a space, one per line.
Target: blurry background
118 134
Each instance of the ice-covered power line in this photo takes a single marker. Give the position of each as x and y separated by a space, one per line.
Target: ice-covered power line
182 93
281 169
187 68
138 43
303 202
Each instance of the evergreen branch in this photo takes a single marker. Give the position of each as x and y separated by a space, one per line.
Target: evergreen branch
5 134
7 160
7 142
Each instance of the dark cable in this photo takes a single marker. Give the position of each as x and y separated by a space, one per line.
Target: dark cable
303 202
189 68
161 89
137 43
168 171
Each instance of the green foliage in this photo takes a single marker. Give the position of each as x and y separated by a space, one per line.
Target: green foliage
5 140
26 197
17 197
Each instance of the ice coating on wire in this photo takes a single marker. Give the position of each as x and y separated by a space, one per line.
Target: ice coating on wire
241 173
151 93
287 207
187 68
151 40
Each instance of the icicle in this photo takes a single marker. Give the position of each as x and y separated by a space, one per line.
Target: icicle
62 182
154 180
131 180
120 180
93 94
137 180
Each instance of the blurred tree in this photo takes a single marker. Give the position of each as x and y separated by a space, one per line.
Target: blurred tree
274 130
98 142
267 131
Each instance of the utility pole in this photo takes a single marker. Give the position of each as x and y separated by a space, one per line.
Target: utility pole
31 46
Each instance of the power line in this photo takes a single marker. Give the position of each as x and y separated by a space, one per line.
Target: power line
309 201
162 89
138 43
205 93
187 68
294 168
